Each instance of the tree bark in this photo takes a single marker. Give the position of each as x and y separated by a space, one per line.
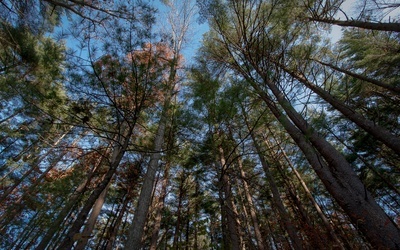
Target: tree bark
160 207
371 127
117 154
87 231
135 233
288 224
359 24
228 206
253 214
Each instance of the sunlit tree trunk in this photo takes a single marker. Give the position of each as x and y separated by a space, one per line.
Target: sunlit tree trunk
89 225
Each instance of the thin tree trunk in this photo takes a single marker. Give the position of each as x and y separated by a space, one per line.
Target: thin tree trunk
288 224
113 230
179 211
324 219
253 214
80 190
135 233
117 154
359 24
361 77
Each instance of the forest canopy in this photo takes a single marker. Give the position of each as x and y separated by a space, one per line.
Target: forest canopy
118 131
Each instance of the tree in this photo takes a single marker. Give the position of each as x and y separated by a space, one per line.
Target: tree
248 49
172 58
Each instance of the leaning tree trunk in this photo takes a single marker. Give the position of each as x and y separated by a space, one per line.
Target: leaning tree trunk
135 233
89 226
117 154
337 175
380 133
288 224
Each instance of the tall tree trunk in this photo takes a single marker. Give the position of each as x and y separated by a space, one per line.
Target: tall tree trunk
135 233
87 231
253 214
159 208
117 154
178 224
284 215
228 205
338 176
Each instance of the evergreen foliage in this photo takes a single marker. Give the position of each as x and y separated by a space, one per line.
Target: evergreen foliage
272 137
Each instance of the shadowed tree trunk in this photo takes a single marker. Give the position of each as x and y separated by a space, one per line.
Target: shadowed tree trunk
229 210
284 215
118 152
